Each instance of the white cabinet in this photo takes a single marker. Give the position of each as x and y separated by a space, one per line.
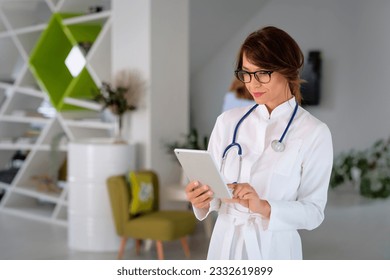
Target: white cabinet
91 162
28 123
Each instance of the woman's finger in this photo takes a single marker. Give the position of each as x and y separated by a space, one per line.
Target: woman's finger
191 186
199 191
202 200
203 204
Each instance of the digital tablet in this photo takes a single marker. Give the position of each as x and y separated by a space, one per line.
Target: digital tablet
199 165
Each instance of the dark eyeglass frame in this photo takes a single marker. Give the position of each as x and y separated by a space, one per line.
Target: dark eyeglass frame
269 73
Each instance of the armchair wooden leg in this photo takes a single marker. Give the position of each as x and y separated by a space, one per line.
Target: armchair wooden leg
138 243
122 247
160 250
185 246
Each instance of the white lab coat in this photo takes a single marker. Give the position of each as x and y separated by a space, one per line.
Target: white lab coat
294 182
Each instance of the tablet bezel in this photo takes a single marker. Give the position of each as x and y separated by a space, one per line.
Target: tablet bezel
199 165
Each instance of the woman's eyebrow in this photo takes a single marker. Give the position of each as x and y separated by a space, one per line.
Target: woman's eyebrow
247 69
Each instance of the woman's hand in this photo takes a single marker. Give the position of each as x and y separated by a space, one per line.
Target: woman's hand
247 196
199 195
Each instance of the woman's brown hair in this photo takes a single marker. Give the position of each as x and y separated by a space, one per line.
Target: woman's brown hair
273 49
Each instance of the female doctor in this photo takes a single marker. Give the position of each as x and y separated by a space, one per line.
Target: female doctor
277 156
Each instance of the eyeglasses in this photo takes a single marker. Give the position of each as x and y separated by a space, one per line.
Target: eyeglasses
262 76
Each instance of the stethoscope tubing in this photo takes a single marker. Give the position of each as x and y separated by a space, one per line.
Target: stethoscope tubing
234 143
289 123
238 146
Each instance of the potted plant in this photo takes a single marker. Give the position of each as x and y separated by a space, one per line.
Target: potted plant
121 97
191 141
369 170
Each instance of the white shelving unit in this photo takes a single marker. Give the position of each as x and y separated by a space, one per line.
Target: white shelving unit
22 127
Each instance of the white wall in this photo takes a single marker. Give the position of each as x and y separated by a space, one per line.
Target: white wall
131 35
169 105
152 36
354 41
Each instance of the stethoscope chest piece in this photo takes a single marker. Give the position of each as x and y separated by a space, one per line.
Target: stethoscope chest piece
277 146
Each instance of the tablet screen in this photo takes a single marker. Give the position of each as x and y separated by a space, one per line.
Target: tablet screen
199 165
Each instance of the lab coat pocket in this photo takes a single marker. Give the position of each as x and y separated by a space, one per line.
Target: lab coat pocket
288 158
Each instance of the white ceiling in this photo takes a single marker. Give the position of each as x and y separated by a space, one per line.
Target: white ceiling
213 22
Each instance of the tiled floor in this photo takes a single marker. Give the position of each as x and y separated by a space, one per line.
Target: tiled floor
354 228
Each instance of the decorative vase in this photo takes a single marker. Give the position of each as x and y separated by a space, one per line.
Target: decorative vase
118 130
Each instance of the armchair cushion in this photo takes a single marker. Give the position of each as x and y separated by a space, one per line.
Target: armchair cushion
141 189
162 225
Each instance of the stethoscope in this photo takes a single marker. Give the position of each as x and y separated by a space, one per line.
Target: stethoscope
277 145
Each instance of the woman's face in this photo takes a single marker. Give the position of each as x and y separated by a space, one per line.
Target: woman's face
271 94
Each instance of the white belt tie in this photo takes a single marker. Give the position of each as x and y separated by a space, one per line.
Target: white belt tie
251 223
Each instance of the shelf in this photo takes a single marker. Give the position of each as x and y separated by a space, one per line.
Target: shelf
48 57
5 85
27 205
34 211
30 91
4 186
95 18
82 133
87 104
90 124
13 60
29 39
24 105
30 29
71 6
28 81
51 132
19 131
63 204
43 196
15 146
3 98
82 124
49 165
42 106
21 14
3 28
62 148
61 214
5 34
24 147
100 55
5 158
24 119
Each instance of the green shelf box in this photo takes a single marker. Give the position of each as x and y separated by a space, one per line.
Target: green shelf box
47 61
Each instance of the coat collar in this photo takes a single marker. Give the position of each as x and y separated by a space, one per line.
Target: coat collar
280 110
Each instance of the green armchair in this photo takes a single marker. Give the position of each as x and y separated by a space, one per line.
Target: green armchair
156 225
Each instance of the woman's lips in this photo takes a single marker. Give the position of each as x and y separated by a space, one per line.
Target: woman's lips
258 94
